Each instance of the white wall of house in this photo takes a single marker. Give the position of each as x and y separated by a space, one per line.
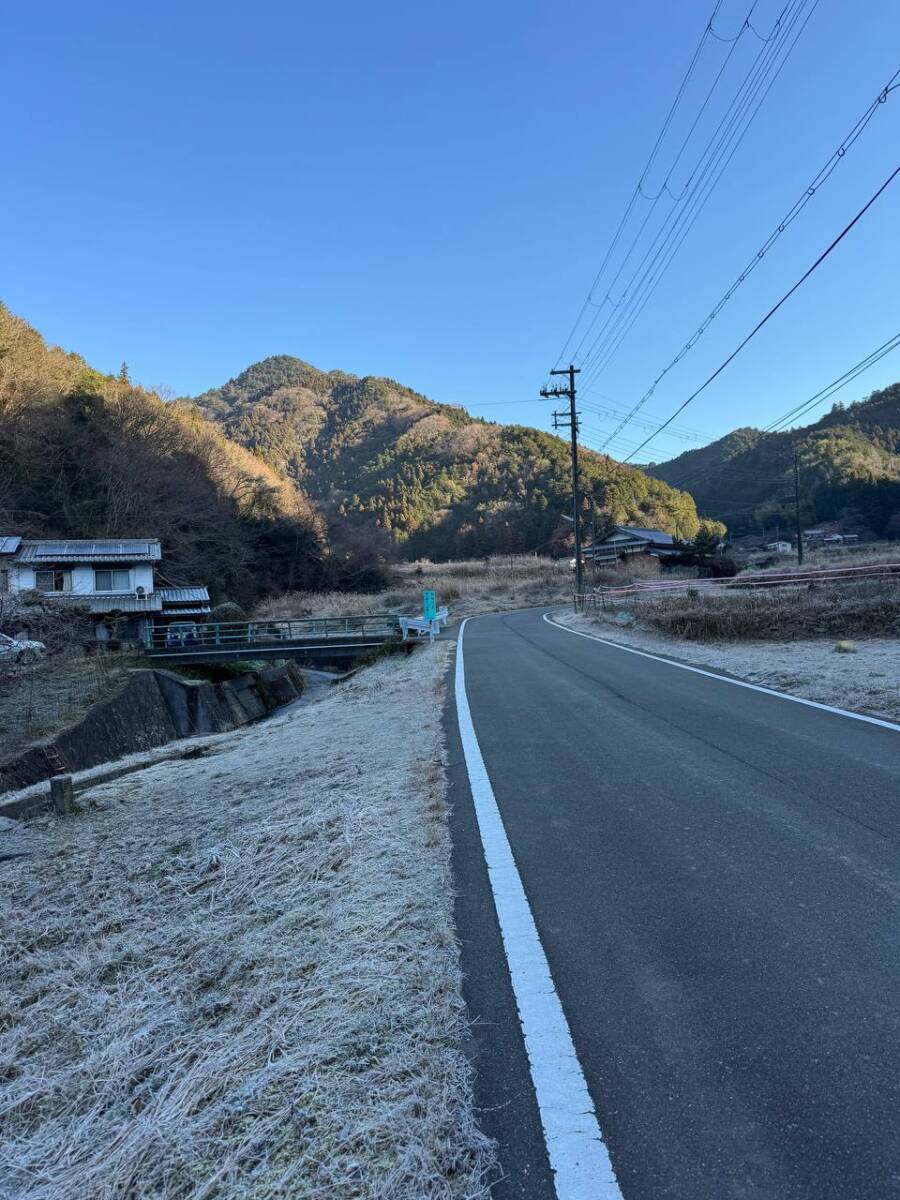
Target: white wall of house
22 577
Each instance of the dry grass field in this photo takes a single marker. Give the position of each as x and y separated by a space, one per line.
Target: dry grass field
864 608
468 588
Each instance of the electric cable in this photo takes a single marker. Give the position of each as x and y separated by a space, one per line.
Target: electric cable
774 309
798 206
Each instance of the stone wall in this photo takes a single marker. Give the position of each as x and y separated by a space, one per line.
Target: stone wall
155 707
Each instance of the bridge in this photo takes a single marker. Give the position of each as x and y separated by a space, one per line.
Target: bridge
302 637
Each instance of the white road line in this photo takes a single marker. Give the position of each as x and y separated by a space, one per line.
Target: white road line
578 1158
754 687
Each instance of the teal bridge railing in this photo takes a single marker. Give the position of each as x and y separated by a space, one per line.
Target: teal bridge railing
225 638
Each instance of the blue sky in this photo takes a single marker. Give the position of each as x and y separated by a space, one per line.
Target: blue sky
426 191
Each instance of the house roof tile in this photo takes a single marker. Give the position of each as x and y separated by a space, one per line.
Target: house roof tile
651 535
125 604
88 550
177 595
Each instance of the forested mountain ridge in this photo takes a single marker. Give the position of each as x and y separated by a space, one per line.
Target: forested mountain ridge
849 471
378 456
88 455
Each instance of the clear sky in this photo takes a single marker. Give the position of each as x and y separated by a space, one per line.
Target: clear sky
426 191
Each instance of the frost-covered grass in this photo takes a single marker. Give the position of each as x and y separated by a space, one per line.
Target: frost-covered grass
237 976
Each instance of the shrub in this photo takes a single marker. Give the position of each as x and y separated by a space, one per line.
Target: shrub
723 568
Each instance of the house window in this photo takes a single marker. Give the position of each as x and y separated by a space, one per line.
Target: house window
112 581
53 581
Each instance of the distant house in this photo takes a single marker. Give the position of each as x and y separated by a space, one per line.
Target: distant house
626 540
108 577
779 547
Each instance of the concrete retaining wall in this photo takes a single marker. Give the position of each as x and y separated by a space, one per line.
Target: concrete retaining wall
155 707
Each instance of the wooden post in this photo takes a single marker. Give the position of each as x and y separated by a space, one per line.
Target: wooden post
62 794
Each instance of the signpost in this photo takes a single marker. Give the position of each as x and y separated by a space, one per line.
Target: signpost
429 623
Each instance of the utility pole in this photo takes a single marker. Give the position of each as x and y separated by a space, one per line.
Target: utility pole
570 421
797 507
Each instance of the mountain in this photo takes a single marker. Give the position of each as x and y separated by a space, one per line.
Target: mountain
382 459
84 454
849 472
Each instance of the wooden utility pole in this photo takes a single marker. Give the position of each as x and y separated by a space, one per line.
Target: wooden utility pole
797 507
570 421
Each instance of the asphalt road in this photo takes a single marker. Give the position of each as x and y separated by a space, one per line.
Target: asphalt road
715 877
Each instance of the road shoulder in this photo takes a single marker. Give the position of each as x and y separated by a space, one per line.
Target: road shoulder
505 1103
863 681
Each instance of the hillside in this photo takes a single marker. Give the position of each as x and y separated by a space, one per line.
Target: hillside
849 472
377 456
83 454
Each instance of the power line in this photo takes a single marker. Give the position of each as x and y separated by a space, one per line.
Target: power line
835 386
698 189
779 424
772 311
664 188
798 206
634 196
645 422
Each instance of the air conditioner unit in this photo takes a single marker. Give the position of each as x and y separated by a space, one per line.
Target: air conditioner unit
140 591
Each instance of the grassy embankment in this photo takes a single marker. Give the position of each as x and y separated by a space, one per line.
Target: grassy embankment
236 975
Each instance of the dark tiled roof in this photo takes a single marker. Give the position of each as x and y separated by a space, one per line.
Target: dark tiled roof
652 535
177 595
114 603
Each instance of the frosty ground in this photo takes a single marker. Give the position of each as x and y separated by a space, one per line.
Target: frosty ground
866 680
236 976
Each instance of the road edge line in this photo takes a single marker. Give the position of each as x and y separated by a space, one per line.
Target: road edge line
753 687
578 1156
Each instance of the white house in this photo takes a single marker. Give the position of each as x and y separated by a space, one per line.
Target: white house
779 547
106 576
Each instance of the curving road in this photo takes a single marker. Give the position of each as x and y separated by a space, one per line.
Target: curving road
714 877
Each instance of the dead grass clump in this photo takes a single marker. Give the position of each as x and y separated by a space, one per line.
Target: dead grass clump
237 977
869 608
